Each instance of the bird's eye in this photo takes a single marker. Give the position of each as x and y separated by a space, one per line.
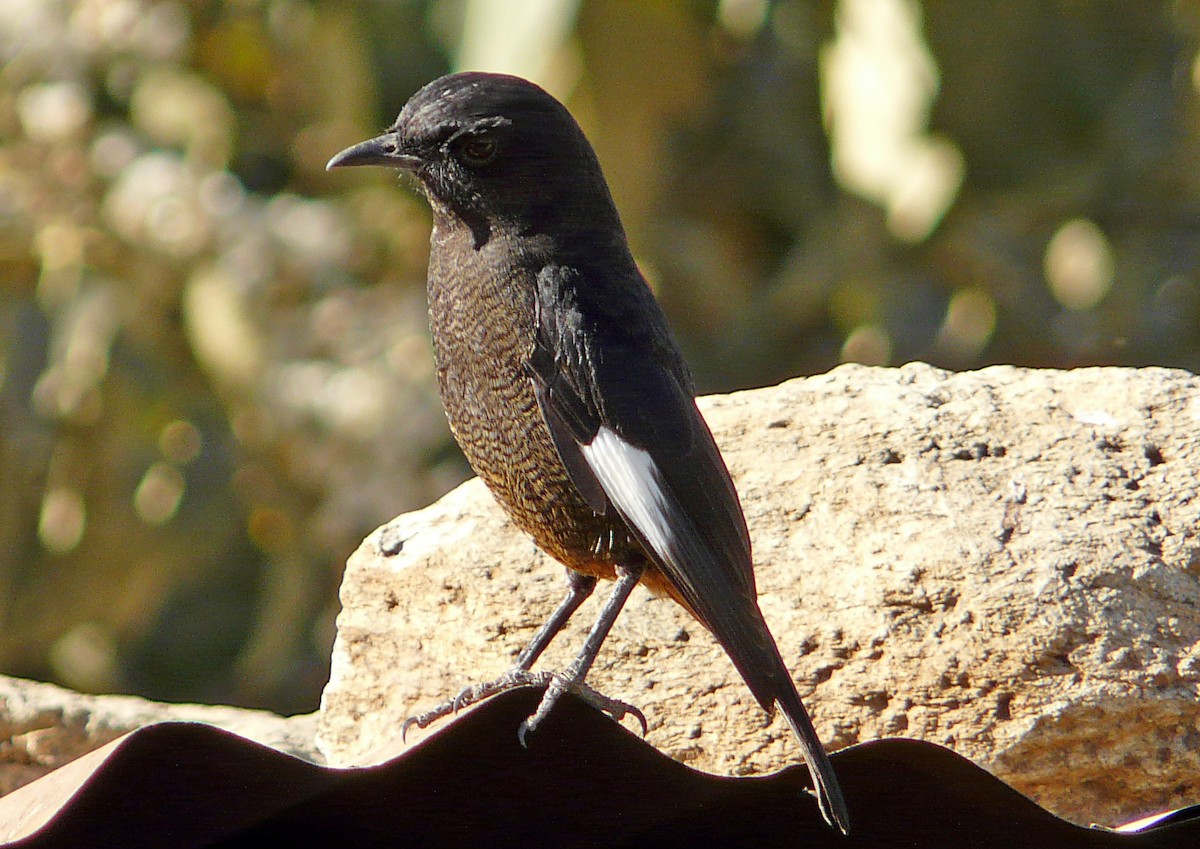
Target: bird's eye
478 151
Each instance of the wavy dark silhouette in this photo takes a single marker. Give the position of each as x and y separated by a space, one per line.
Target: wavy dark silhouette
471 784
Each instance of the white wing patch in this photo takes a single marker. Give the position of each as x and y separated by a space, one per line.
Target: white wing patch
631 480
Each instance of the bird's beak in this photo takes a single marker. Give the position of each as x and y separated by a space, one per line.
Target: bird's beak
382 150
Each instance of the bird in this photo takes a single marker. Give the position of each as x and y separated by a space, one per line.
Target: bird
567 392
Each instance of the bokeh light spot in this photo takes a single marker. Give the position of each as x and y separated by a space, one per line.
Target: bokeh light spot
51 112
62 520
743 18
157 497
878 83
1079 265
85 658
180 441
969 323
870 345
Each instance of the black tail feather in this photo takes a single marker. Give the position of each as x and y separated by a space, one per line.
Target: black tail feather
829 792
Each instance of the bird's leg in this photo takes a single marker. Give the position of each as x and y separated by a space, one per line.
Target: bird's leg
579 588
572 678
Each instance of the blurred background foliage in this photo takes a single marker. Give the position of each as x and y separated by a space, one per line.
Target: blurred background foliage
215 377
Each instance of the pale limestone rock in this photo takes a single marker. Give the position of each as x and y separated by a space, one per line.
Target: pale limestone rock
1006 562
43 726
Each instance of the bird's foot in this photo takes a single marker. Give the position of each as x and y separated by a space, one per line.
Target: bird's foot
556 683
468 696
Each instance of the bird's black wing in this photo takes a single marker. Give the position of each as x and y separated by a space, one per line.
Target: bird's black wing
623 418
618 402
553 364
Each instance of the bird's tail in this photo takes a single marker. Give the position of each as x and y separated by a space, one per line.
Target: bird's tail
743 633
829 792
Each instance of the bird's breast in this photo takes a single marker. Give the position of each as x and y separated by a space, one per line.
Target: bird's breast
482 314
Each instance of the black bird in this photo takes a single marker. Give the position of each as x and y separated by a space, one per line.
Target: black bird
566 390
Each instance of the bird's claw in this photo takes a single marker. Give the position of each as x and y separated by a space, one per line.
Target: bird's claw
423 720
615 708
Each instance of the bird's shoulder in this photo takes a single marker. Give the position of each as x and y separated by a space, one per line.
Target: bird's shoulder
611 310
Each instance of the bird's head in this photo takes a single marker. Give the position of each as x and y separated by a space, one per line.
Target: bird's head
493 150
